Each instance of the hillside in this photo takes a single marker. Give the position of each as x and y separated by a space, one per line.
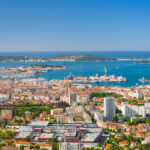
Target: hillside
80 58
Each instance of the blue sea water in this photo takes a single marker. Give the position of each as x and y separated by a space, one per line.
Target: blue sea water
133 72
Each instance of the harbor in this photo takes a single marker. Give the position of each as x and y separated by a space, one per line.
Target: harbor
27 71
127 69
97 78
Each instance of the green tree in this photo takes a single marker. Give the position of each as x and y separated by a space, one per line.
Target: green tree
52 140
27 139
55 146
21 147
98 144
115 119
31 146
37 147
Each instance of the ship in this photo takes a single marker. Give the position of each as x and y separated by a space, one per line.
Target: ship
69 77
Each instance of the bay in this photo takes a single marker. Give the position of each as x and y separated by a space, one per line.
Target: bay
133 72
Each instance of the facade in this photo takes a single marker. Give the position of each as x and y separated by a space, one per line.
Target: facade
130 111
147 108
138 94
83 98
109 108
72 99
97 115
55 112
70 146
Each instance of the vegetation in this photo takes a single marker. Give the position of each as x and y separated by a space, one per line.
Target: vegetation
115 119
92 148
27 139
55 146
45 66
7 134
82 58
3 123
22 147
17 58
103 94
21 71
52 140
136 122
125 119
36 109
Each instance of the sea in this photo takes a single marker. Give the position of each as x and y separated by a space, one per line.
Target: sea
133 72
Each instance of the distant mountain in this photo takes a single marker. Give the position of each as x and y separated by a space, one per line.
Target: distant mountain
80 58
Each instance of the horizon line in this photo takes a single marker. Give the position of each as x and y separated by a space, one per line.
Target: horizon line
77 51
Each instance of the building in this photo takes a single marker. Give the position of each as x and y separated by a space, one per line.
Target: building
55 112
147 108
70 146
72 99
40 132
130 111
7 114
83 98
138 94
27 113
9 148
109 108
97 115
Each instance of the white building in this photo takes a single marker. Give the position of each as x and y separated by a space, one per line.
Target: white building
147 108
130 111
138 94
97 115
72 99
109 108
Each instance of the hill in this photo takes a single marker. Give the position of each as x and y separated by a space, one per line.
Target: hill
80 58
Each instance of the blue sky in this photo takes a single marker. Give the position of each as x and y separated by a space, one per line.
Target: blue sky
74 25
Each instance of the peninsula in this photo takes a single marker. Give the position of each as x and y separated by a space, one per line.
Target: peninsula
27 71
80 58
19 59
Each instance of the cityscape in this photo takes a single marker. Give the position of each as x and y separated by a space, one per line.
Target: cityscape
74 75
61 114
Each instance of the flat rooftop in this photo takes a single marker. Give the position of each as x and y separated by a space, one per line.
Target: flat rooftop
39 123
23 134
46 135
90 137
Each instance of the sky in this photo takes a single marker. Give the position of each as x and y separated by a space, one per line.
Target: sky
74 25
